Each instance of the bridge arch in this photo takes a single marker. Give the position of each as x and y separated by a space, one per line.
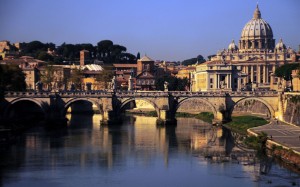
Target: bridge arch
70 102
269 107
210 105
144 99
15 101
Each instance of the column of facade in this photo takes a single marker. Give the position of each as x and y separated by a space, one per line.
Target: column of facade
208 82
239 86
264 74
246 79
252 74
258 74
216 81
273 71
227 76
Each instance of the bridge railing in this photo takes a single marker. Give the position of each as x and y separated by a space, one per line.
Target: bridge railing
142 93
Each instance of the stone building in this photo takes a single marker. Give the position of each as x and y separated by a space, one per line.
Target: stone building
145 79
84 57
248 66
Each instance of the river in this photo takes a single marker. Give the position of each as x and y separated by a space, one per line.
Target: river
134 153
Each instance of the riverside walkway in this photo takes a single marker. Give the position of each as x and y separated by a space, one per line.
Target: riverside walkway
282 134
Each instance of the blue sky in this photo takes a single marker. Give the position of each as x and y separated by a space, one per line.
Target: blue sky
162 29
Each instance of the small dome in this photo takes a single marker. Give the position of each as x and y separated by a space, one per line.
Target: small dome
290 50
280 45
232 46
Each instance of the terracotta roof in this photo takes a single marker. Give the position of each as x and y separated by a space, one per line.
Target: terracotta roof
125 65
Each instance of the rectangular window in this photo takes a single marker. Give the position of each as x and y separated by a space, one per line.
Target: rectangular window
211 80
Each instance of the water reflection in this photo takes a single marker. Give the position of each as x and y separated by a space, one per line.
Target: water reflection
136 153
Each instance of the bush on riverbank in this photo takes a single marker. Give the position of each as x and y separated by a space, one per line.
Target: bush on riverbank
144 113
204 116
257 142
240 124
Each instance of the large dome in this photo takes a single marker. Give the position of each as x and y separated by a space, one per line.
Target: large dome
257 34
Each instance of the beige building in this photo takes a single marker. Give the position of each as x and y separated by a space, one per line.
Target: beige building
249 65
296 80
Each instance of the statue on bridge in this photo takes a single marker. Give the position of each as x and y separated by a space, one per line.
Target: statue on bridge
166 84
113 83
39 86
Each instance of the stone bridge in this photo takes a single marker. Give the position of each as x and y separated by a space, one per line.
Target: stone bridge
111 104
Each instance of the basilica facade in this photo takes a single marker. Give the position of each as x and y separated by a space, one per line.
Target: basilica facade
248 66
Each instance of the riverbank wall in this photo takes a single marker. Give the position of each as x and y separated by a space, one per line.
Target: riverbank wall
278 149
291 108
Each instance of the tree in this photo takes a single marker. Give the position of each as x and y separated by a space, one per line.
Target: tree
103 48
285 71
210 56
43 55
32 48
105 77
127 58
11 78
47 76
175 84
138 56
191 61
76 78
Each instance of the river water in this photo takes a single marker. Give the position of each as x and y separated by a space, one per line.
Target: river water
135 153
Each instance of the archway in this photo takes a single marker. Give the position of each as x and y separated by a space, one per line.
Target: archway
25 112
139 106
199 108
82 105
252 106
82 112
195 105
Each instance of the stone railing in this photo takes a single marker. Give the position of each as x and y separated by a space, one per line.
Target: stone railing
106 93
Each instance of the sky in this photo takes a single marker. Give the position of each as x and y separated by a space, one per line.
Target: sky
171 30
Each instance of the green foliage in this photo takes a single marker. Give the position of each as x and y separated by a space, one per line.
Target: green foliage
204 116
258 143
240 124
151 113
184 115
285 71
11 78
76 78
138 56
210 56
295 99
35 47
191 61
43 55
175 84
105 76
47 76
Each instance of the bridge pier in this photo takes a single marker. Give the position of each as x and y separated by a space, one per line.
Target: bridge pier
218 117
109 117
